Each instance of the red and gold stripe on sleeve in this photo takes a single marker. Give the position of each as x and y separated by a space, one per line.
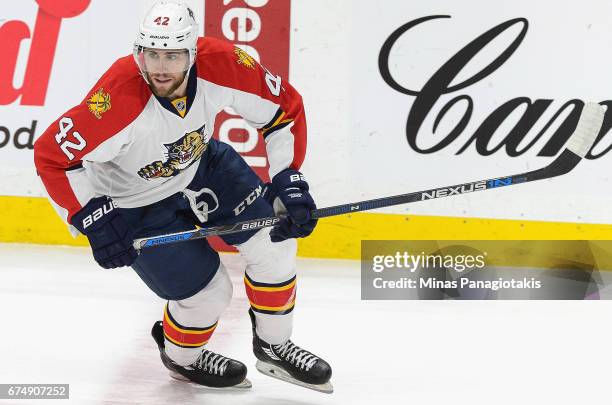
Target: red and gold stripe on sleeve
279 121
275 299
185 336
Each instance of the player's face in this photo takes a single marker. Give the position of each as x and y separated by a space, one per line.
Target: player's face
166 69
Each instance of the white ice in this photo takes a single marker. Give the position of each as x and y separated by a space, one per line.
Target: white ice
64 320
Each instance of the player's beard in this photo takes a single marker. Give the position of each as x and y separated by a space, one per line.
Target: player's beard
165 89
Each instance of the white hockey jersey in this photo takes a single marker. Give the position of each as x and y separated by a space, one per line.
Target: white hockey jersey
124 142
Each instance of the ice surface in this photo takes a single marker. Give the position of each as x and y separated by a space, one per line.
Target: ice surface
64 320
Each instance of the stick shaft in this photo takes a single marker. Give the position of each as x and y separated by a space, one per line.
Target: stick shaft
561 165
588 127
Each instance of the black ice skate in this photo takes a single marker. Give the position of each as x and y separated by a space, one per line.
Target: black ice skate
210 369
291 363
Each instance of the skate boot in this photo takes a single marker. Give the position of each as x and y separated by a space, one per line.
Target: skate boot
291 363
210 369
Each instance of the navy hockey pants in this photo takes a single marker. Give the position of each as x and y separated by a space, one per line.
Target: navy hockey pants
178 271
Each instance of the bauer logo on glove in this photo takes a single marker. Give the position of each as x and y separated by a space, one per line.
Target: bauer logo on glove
97 214
110 237
294 201
297 177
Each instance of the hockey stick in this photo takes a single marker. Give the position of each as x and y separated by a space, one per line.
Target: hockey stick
578 145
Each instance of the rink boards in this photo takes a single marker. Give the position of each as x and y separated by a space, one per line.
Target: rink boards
33 220
434 93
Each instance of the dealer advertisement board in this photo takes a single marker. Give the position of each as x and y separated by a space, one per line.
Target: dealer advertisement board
410 96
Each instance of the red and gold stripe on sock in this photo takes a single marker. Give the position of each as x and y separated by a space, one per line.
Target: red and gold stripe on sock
275 299
183 336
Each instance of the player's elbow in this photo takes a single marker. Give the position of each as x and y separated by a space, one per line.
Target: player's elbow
43 152
38 153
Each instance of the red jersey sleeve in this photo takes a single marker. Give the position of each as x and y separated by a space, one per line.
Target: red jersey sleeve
112 104
263 99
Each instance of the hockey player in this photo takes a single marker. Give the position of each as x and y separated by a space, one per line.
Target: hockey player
135 158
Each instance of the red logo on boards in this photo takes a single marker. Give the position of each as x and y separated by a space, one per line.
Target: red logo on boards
42 50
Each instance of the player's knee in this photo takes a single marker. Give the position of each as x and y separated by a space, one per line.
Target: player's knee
214 298
226 288
262 255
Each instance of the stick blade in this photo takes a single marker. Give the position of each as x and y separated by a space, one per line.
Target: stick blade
588 128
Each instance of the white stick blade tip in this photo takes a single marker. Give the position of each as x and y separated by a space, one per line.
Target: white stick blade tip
588 128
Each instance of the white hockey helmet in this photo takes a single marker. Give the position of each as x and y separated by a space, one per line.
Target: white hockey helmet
168 25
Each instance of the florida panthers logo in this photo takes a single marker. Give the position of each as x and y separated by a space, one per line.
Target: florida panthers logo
244 58
179 156
99 103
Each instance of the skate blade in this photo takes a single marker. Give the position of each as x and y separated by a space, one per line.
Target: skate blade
244 384
280 374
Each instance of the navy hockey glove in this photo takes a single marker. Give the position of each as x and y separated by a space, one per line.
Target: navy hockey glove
110 237
292 191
